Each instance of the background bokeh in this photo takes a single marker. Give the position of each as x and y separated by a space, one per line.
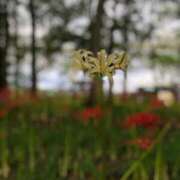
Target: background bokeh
148 30
57 122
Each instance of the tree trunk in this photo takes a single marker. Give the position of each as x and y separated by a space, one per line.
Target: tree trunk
4 38
110 92
96 89
125 42
33 48
16 47
110 48
125 30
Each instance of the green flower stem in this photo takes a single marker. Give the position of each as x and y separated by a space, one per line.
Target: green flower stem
143 172
160 171
66 158
4 160
144 155
31 151
158 164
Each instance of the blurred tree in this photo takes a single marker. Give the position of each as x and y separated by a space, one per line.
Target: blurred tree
33 47
4 39
60 32
100 32
127 19
96 89
96 27
110 24
15 37
60 17
133 28
165 56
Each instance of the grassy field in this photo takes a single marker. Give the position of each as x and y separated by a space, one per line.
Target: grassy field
57 137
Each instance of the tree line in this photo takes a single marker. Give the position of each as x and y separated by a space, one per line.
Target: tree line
112 25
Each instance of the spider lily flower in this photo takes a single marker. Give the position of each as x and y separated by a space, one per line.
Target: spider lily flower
3 112
102 64
155 103
94 113
143 143
5 95
143 119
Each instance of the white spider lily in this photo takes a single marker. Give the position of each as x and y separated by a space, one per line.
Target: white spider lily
103 64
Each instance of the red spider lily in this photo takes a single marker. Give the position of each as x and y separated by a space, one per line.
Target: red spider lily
21 100
156 103
91 113
143 143
33 96
3 112
146 120
5 94
14 104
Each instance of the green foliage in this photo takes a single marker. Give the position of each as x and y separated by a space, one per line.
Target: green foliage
167 60
47 140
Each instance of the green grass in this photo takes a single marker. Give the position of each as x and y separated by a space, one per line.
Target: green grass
45 140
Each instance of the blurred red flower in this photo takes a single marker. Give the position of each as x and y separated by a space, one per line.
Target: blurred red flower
5 94
3 112
14 104
94 113
143 143
144 119
156 103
